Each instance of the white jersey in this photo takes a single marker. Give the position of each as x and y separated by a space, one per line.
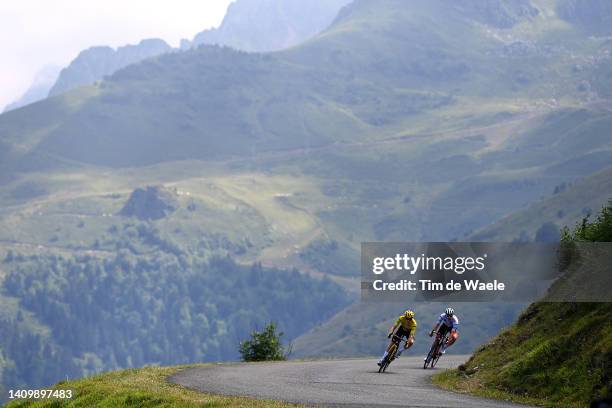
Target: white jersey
450 322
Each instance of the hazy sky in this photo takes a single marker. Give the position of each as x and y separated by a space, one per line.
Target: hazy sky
35 33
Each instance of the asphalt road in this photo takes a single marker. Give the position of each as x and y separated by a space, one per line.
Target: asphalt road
336 383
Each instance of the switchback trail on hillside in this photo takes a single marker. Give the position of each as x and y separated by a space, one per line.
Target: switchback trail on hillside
346 383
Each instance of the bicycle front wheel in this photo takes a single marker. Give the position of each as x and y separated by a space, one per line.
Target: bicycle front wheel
388 359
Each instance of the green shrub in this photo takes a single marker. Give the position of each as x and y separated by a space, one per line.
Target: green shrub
263 346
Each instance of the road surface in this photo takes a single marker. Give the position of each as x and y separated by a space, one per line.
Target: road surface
335 383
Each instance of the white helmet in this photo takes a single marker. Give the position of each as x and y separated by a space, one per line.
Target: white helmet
449 311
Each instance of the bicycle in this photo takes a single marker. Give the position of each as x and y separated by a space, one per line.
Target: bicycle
434 352
392 354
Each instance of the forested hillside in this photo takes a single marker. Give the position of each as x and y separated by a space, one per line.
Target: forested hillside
80 315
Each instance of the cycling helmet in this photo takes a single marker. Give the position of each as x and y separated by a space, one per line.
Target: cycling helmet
449 311
409 314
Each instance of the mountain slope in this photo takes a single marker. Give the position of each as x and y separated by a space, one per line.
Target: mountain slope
360 328
556 354
215 103
567 206
592 16
539 360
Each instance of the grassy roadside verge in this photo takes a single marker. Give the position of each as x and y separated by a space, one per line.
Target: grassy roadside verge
144 387
555 355
453 380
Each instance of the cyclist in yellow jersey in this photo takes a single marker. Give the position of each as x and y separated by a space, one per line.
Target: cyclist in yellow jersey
405 326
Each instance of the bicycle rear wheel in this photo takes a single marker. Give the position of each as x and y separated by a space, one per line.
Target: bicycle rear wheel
432 356
440 346
437 355
429 355
434 361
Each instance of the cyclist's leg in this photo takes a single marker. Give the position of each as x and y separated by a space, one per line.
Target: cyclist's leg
442 330
383 357
409 342
452 338
386 353
401 333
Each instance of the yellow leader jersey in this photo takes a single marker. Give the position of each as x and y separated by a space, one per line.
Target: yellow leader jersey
409 325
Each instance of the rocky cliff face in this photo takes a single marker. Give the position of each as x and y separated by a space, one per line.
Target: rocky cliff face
95 63
150 203
43 81
268 25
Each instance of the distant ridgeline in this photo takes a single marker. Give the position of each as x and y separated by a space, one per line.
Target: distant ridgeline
249 25
129 311
269 25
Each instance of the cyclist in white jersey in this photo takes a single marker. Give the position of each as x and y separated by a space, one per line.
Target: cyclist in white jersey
447 322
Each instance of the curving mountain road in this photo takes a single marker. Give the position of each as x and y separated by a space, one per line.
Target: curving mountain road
346 383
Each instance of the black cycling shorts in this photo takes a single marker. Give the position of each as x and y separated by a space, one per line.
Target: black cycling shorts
401 332
443 329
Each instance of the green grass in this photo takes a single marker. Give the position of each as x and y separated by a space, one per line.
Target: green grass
451 381
145 387
273 213
556 355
